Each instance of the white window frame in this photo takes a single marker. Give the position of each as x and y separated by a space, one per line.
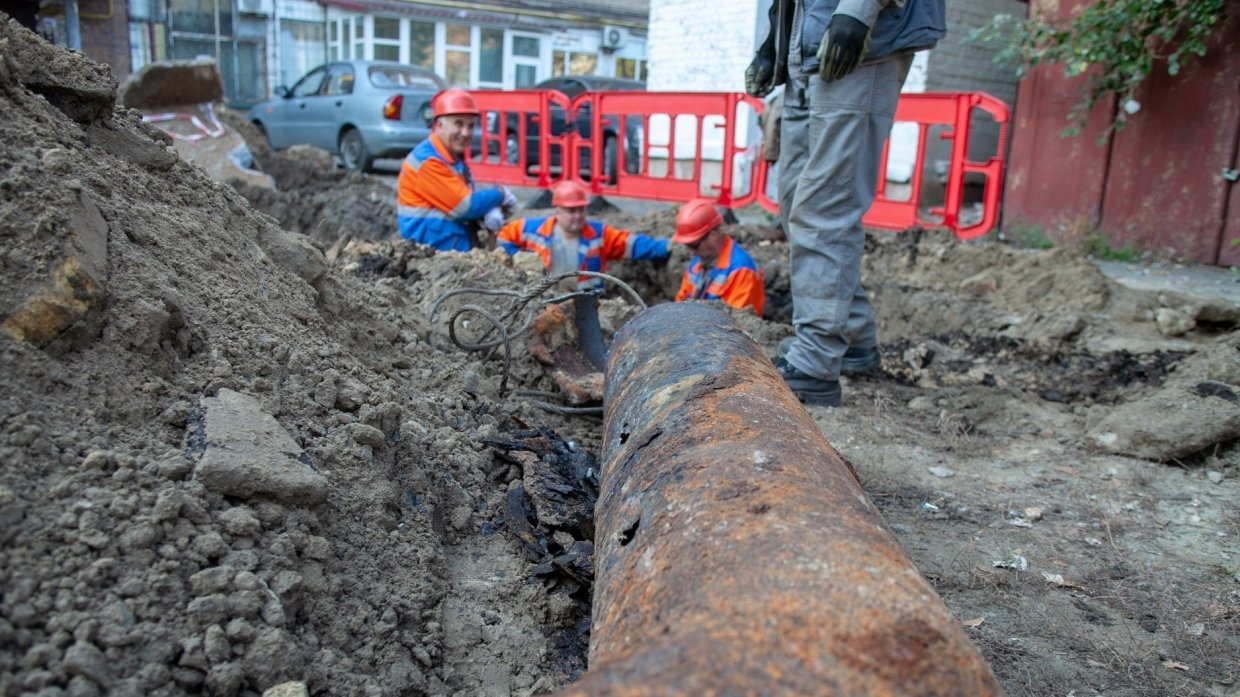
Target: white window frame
505 57
400 42
512 60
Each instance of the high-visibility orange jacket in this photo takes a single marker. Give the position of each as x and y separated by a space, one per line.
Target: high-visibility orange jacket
435 198
597 244
734 278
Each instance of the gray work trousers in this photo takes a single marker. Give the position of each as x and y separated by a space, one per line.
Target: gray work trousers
831 142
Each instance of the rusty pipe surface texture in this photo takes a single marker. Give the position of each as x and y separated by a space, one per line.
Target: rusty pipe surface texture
735 551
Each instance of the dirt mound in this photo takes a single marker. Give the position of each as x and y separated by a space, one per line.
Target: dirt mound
147 294
312 196
232 459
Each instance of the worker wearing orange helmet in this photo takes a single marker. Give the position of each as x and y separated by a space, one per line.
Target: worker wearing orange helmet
719 269
437 204
567 241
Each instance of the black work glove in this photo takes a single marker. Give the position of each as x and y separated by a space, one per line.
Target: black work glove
760 74
844 44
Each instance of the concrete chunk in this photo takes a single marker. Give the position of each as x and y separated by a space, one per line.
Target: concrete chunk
248 454
1175 422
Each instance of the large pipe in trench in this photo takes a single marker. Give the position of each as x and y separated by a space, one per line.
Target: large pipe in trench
736 553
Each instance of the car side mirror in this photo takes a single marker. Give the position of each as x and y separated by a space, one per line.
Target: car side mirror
282 91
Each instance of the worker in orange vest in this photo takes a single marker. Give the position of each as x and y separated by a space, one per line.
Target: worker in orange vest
567 241
438 204
719 269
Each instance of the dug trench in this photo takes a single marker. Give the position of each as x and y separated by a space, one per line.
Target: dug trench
240 449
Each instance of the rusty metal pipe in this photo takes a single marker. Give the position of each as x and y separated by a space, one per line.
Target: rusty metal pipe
736 553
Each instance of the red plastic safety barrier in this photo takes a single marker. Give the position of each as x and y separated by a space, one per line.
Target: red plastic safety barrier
674 146
686 144
521 130
954 111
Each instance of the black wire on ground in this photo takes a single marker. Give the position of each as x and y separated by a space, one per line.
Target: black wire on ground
505 322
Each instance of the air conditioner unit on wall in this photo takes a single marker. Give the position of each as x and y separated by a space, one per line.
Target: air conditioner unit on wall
614 38
255 7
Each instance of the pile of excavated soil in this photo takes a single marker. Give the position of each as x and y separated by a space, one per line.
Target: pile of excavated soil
241 448
225 464
311 196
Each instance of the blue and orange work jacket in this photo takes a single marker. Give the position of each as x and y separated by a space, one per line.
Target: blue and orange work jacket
597 244
734 278
435 198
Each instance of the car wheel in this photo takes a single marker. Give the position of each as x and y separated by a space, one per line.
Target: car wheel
353 152
610 159
262 132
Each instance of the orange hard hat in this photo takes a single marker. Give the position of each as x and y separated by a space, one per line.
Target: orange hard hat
695 219
453 100
570 194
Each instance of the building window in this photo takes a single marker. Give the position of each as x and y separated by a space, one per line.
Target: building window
387 39
458 47
526 60
200 16
422 44
527 75
301 48
491 57
199 28
573 63
340 43
148 41
631 68
527 46
359 38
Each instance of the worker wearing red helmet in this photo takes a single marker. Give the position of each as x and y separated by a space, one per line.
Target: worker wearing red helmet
719 269
567 241
437 203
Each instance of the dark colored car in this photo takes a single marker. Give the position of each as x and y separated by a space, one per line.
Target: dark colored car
629 137
360 110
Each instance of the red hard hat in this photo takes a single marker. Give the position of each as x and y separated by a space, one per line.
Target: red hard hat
453 100
570 194
695 219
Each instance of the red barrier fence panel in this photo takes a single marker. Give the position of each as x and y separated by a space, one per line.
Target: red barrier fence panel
990 171
898 207
674 146
524 135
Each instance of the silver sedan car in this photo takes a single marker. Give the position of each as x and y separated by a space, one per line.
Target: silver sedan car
359 110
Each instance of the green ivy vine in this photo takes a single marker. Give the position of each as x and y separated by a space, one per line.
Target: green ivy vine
1115 44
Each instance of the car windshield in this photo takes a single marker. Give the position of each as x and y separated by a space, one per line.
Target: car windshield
396 76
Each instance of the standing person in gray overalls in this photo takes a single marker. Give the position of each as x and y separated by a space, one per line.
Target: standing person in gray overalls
842 63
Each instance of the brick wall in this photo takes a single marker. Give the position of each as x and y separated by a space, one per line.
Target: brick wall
957 64
702 45
106 39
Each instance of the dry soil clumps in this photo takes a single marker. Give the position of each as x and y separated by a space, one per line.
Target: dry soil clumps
236 455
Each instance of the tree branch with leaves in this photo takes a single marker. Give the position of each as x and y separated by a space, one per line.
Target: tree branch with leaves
1114 44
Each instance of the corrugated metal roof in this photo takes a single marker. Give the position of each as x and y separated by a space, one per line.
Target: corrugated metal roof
554 13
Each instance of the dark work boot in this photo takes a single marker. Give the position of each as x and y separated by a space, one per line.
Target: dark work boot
860 361
807 388
857 361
